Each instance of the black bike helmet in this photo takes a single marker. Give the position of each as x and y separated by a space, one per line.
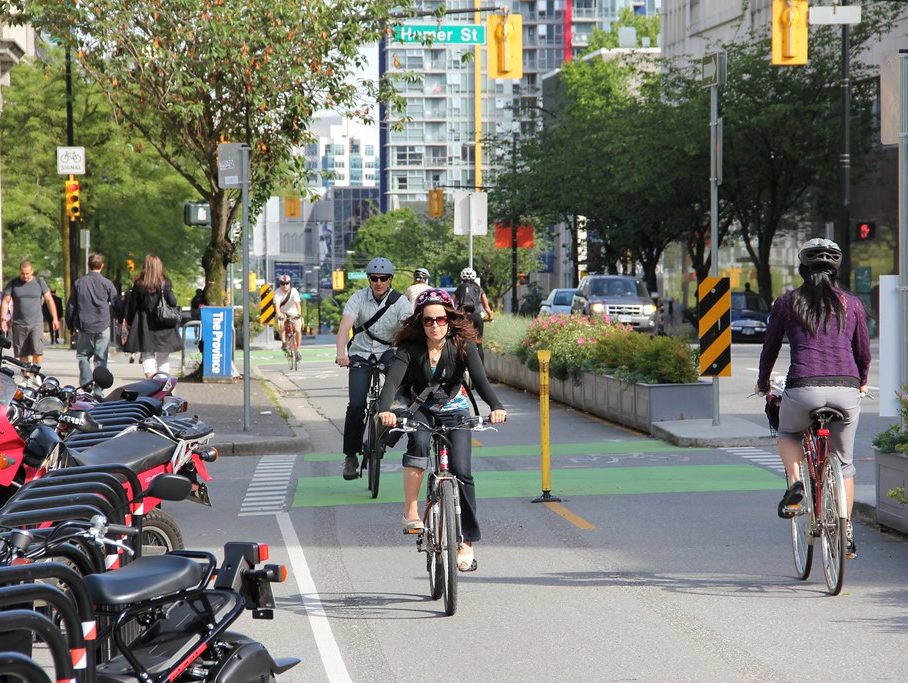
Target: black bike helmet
380 266
820 253
421 275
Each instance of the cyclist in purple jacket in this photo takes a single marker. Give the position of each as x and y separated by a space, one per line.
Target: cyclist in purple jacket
830 358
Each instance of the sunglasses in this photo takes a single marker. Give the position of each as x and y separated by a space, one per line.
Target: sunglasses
440 320
285 284
379 278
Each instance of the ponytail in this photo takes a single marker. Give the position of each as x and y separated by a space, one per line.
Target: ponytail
818 300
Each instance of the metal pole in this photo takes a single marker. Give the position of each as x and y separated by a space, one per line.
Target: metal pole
714 209
844 233
545 357
903 213
247 408
477 109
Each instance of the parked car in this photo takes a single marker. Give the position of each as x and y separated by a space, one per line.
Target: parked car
624 298
558 301
749 315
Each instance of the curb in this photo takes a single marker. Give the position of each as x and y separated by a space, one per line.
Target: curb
250 444
707 441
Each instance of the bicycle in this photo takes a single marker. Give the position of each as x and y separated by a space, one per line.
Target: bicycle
441 533
291 348
823 511
373 452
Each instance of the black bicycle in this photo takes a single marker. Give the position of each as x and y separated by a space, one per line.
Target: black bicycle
373 451
441 534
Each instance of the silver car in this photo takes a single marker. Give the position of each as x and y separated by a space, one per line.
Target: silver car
558 301
625 299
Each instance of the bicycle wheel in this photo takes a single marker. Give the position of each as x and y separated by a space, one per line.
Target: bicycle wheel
832 517
371 454
448 532
433 553
802 528
291 351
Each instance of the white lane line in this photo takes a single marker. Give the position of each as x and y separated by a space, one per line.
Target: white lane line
330 653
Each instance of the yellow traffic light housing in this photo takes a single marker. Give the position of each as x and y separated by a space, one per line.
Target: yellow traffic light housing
789 32
292 207
337 280
72 202
505 53
436 203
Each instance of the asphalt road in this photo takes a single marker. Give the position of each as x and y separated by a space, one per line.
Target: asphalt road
662 564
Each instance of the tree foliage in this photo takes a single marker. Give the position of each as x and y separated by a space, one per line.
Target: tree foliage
126 186
189 74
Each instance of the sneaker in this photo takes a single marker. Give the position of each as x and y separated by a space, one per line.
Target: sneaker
298 357
790 505
351 467
283 346
851 550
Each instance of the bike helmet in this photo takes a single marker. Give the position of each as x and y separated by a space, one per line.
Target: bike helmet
380 266
819 252
433 296
284 278
468 274
421 274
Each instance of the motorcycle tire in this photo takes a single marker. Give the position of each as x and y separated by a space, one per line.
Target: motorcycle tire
160 533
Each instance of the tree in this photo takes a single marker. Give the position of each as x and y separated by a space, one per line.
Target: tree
131 199
646 25
188 75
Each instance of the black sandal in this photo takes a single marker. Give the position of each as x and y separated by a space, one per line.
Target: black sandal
790 505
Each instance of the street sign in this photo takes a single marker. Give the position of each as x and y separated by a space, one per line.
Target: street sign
356 275
714 326
441 34
713 69
71 160
231 170
834 14
889 98
471 213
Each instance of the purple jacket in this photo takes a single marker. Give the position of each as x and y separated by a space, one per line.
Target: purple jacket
829 357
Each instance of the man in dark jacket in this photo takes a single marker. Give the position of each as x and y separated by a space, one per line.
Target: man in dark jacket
93 299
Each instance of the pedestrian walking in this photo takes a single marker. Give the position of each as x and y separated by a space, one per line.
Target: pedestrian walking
26 293
153 341
48 318
93 301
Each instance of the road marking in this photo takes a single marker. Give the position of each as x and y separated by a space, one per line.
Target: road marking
267 489
562 511
757 456
330 653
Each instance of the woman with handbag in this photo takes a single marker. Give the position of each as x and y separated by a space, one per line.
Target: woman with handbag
152 318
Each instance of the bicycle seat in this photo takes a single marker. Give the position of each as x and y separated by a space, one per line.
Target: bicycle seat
826 414
144 579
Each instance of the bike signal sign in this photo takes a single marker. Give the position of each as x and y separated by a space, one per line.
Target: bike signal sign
441 34
71 160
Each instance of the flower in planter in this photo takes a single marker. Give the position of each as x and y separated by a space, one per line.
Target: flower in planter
894 439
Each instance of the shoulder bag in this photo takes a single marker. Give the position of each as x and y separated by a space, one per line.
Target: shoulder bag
164 314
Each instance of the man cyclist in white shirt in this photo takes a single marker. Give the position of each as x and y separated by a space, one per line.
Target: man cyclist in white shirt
289 306
420 284
374 315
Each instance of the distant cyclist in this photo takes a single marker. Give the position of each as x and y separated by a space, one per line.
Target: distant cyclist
420 284
826 329
471 299
374 315
289 307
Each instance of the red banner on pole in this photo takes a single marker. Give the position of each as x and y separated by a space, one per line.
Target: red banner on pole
525 236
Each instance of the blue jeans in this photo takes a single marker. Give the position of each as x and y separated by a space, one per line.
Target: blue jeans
91 345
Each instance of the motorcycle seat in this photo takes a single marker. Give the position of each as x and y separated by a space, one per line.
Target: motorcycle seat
144 387
140 451
144 579
144 404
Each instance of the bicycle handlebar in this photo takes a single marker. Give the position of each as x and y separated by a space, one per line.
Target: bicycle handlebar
476 423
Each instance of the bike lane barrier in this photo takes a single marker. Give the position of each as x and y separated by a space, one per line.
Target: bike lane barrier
545 359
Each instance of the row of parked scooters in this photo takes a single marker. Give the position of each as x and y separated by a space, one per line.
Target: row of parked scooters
90 563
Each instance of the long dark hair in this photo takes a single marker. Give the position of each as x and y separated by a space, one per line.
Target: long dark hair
460 330
818 299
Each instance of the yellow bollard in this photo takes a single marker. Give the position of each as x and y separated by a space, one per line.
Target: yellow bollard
545 358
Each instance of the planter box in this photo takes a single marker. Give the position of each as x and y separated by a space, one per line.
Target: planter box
633 405
891 473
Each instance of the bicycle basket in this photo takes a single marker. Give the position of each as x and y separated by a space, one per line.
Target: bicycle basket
773 402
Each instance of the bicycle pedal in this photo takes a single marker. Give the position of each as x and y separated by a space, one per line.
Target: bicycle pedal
413 532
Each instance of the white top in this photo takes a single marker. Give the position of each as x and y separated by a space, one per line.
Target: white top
292 307
415 290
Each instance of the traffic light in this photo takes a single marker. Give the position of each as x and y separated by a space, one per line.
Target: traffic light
436 203
789 32
865 231
337 280
292 207
505 54
73 205
196 213
130 265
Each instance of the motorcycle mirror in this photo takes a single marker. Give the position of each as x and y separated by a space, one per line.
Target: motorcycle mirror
102 377
169 487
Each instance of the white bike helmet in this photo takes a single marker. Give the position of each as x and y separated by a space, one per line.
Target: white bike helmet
421 275
380 266
468 274
820 253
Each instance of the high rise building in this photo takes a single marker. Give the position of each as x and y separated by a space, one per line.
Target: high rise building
345 152
434 145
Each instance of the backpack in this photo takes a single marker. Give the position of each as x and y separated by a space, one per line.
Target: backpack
469 298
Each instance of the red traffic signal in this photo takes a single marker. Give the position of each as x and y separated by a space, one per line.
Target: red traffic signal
72 202
865 231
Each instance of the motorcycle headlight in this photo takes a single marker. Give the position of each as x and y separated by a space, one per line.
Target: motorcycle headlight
649 309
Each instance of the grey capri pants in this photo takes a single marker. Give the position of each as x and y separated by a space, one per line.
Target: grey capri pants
794 417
